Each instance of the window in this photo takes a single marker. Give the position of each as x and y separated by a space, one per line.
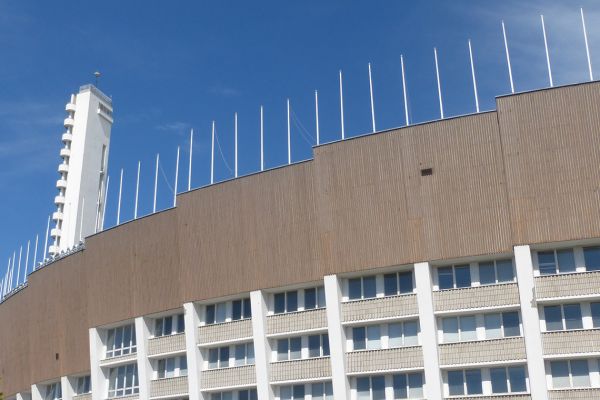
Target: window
171 367
592 258
371 387
123 381
456 276
493 272
508 380
595 310
244 354
570 373
53 392
169 325
362 288
216 313
398 283
499 325
556 261
240 309
247 394
408 386
403 334
563 317
464 382
318 345
289 349
322 391
218 357
366 337
84 385
314 298
121 341
291 392
459 329
286 302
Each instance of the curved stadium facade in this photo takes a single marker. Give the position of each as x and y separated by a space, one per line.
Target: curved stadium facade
449 259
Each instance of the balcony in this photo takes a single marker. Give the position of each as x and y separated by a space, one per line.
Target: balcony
574 394
169 387
383 360
129 397
313 368
119 360
57 216
228 377
380 308
571 342
67 137
227 331
567 285
59 200
55 232
166 344
87 396
69 122
505 294
65 152
61 184
63 168
70 107
496 397
297 321
483 351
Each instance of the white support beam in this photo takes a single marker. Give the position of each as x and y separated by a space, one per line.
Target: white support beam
37 392
66 388
194 356
23 396
531 323
262 349
99 387
337 337
142 333
429 339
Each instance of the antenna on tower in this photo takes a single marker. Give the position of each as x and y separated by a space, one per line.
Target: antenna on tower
97 75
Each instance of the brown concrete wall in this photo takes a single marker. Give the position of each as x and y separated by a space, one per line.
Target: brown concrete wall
526 174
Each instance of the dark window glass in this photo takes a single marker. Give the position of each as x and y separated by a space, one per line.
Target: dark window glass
168 325
546 262
510 320
292 301
498 377
553 318
158 327
473 378
224 357
359 338
566 261
213 358
390 284
369 287
363 387
180 323
236 310
325 344
378 387
595 314
310 299
298 391
463 276
354 289
415 381
314 346
487 273
279 300
243 395
573 318
455 383
295 348
247 309
592 258
505 271
406 282
282 349
400 386
516 376
445 278
210 314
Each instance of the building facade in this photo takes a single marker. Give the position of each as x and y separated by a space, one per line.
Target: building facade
453 259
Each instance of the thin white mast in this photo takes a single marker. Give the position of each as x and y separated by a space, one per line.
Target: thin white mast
235 140
473 75
587 48
176 179
35 252
190 163
262 138
105 201
137 191
289 135
12 271
26 262
342 107
547 53
46 241
19 266
317 116
120 191
372 101
212 155
155 183
439 86
404 91
81 220
512 86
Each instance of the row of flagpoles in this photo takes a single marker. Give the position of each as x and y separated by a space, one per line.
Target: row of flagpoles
8 284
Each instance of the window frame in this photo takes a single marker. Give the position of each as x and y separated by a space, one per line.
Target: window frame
362 280
454 268
563 319
494 264
557 268
570 376
111 349
121 388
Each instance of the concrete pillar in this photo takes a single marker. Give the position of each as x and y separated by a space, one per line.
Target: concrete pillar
142 333
37 392
99 387
429 337
262 349
337 337
67 388
194 356
531 323
23 396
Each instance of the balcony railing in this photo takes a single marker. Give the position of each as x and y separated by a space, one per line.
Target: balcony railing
504 294
571 342
297 321
226 331
229 377
483 351
385 359
567 285
312 368
166 344
169 387
380 307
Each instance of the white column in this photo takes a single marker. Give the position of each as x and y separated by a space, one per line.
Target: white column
337 337
99 388
23 396
36 392
429 337
262 349
66 388
531 323
194 356
142 333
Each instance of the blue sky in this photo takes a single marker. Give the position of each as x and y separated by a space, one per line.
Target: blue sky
172 66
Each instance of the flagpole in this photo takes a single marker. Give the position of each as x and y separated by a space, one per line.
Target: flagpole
212 155
289 135
46 241
137 191
176 179
439 86
317 116
190 163
512 86
35 252
473 75
19 266
342 107
12 270
235 150
26 262
262 138
587 48
81 220
155 182
120 191
404 91
372 100
547 53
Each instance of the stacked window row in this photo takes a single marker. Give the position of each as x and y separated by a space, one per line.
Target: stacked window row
384 336
480 327
236 355
399 386
478 381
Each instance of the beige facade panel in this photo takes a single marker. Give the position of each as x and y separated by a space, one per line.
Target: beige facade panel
314 368
166 344
383 307
386 359
574 394
500 397
132 397
571 342
228 377
483 351
565 285
476 297
169 387
87 396
125 359
226 331
297 321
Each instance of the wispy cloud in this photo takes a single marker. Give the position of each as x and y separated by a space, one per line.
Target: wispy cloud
224 91
176 127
